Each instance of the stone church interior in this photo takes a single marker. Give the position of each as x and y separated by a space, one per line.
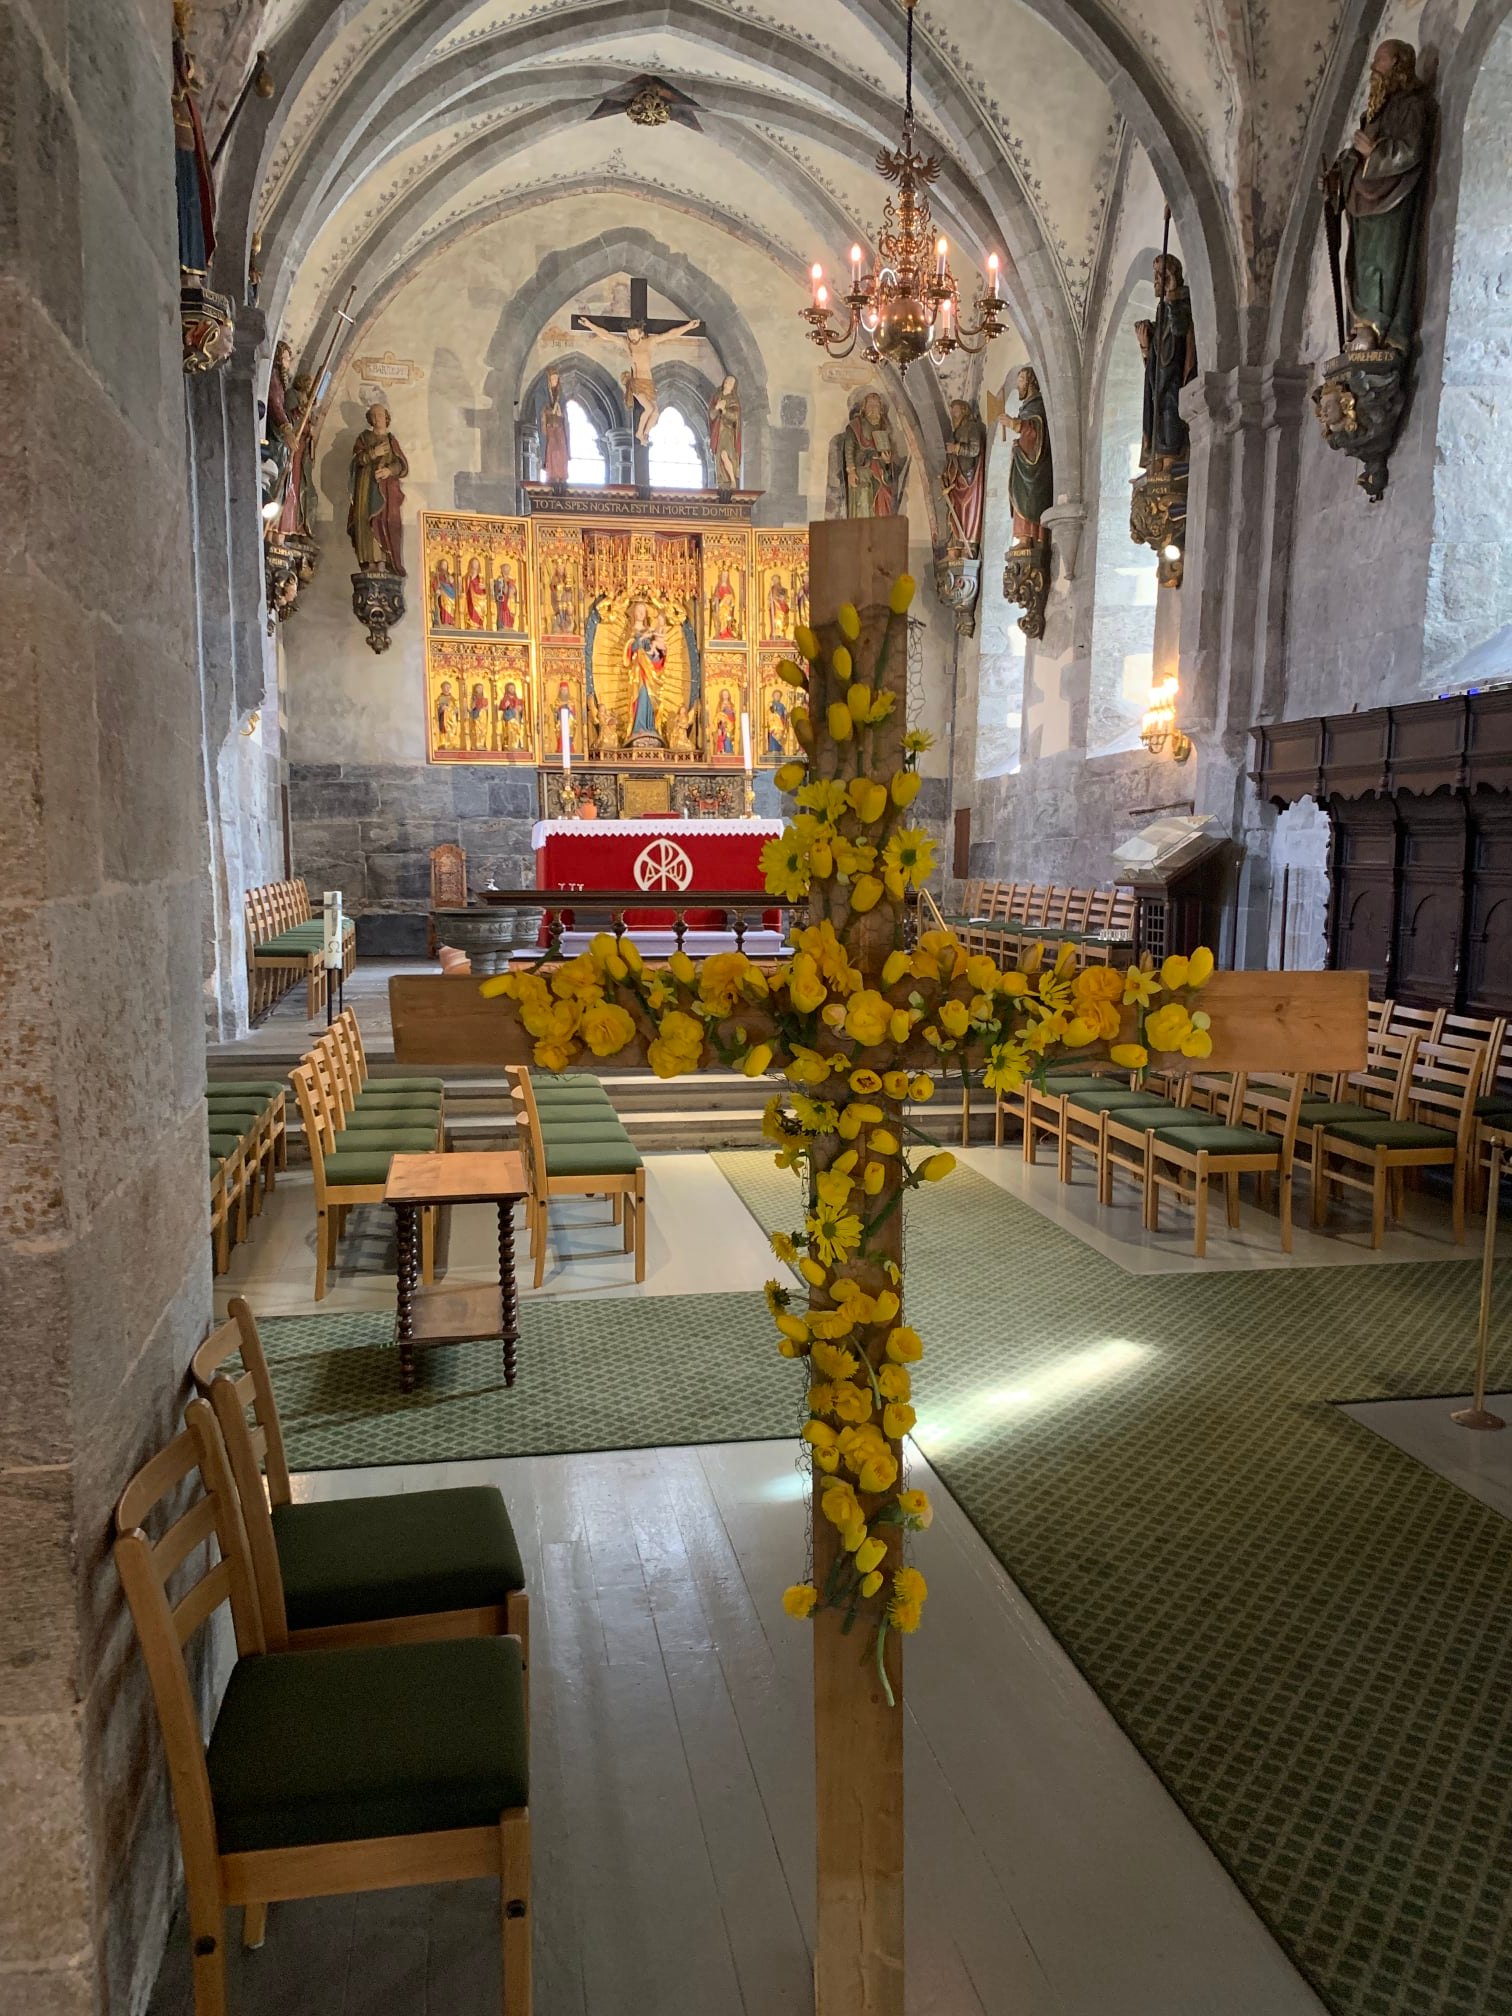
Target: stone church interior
754 1056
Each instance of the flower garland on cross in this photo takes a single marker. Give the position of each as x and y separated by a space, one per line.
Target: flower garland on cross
856 1021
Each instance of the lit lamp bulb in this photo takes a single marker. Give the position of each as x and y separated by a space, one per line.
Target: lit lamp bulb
941 248
1170 552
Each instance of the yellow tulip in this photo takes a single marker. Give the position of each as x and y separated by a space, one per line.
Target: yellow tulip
841 725
757 1060
902 595
790 776
900 1025
866 890
800 1599
894 967
1200 967
792 672
894 1383
905 787
807 642
1174 971
879 1474
873 1176
827 1460
812 1272
870 1584
869 1553
682 969
794 1327
938 1167
955 1020
887 1305
922 1088
819 1435
1129 1056
850 621
898 1419
802 726
866 1018
916 1509
882 1141
840 658
868 799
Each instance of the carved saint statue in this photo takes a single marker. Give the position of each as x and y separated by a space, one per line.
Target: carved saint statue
1377 183
375 522
553 426
1169 348
1031 480
191 156
724 435
299 486
640 347
278 428
874 466
964 476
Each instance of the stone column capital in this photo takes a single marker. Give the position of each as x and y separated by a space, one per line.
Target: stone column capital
1249 395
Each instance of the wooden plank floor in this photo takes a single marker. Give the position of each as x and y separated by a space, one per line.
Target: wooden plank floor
1049 1873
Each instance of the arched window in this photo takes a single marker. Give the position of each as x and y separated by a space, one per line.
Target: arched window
1467 632
585 457
1124 586
1000 642
675 461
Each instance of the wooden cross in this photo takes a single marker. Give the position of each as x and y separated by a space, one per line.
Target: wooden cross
1260 1021
640 354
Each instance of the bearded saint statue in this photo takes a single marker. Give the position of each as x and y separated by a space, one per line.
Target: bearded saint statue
1377 183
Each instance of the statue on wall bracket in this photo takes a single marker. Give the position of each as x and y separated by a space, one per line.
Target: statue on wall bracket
963 483
1031 492
207 318
375 526
1377 183
1168 345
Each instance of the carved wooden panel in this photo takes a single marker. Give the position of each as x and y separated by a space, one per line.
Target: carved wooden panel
1364 897
1487 977
1431 905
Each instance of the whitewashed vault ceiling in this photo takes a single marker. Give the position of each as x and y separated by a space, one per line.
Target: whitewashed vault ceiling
398 121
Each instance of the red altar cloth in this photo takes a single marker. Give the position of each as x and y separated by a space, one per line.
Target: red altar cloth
671 855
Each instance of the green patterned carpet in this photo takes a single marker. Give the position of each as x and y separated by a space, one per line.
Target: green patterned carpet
1304 1631
1307 1633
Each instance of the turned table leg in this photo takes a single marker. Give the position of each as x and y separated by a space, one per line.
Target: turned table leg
409 1274
509 1301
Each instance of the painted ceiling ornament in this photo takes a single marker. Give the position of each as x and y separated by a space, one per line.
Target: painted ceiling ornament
1168 346
1378 185
908 305
649 101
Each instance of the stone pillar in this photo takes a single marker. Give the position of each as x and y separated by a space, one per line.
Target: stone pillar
1246 445
104 1241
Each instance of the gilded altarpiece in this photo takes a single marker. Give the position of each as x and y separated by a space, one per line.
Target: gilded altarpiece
652 640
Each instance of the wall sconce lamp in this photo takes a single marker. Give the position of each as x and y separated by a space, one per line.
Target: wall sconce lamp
1159 724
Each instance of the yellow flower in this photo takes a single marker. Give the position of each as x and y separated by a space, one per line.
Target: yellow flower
1079 1032
841 726
903 1616
1007 1064
1200 967
900 1024
866 1017
1140 987
790 775
922 1088
835 1362
1168 1027
1173 971
827 1459
792 1326
799 1600
839 1504
870 1584
866 893
905 787
833 1187
840 658
938 1167
854 857
806 641
826 798
904 1346
606 1027
894 1383
551 1056
682 969
785 866
954 1019
897 1419
865 1081
910 854
868 799
829 955
802 727
883 1141
812 1272
807 1067
902 594
917 740
852 1403
806 991
908 1582
873 1176
894 967
782 1245
895 1084
814 1116
869 1553
1129 1056
756 1060
1095 984
833 1234
678 1046
879 1473
819 1435
1198 1044
849 621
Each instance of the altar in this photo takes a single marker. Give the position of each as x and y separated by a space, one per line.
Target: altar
671 856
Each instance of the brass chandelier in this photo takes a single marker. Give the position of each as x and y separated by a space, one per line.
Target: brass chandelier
902 308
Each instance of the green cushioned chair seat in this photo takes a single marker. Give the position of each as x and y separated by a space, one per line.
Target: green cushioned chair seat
1057 1082
1219 1140
592 1158
222 1145
1163 1115
1113 1098
242 1118
1494 1106
256 1088
378 1095
340 1746
387 1084
1314 1112
1385 1133
368 1164
582 1130
405 1118
349 1560
388 1141
570 1095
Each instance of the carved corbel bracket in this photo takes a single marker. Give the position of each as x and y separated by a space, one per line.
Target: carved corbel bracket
1026 581
958 582
378 602
1359 406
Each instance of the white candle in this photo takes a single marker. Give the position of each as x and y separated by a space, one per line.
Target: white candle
941 248
816 274
855 268
745 740
566 743
992 272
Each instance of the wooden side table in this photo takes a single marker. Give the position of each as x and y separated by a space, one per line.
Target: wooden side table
442 1315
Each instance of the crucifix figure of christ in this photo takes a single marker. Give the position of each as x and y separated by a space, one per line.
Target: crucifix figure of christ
857 1021
639 331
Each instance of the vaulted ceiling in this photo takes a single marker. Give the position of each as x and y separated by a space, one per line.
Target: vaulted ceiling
398 124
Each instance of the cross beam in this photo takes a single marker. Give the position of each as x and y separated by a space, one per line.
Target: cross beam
639 317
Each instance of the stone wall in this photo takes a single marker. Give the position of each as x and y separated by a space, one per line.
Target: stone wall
104 1251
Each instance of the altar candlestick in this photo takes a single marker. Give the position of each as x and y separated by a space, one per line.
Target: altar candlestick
745 740
566 743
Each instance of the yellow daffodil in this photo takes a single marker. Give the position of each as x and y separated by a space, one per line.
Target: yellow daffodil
898 1419
902 595
1168 1028
937 1167
852 1403
1139 987
800 1599
866 1017
894 1383
916 1509
878 1473
904 1346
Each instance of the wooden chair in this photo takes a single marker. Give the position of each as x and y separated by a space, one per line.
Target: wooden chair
1434 1131
1120 1126
579 1159
325 1773
347 1174
357 1082
1184 1159
272 1093
383 1570
1487 1033
448 886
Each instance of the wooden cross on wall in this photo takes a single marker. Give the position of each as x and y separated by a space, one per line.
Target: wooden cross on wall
639 356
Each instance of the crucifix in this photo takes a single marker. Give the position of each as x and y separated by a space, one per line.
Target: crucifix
640 332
